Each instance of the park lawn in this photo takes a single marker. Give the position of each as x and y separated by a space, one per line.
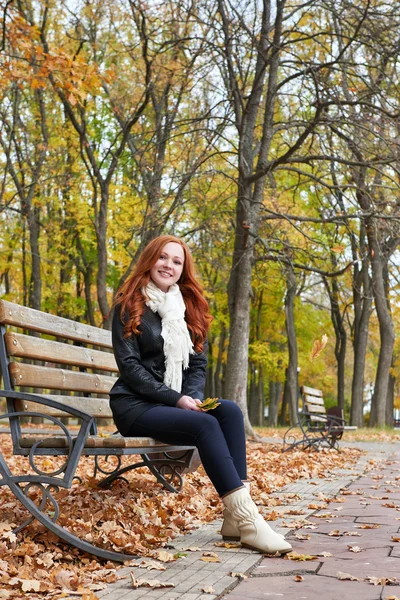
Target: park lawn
138 517
364 434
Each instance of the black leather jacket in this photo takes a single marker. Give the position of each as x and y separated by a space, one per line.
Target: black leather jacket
140 360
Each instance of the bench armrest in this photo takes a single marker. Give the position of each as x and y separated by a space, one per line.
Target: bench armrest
335 419
74 412
76 446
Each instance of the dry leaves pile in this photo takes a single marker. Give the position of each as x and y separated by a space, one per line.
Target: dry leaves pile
136 518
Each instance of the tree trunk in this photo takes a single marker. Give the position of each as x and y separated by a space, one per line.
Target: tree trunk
210 383
101 236
386 330
253 405
284 406
219 366
337 318
360 350
362 301
390 401
35 286
261 397
275 391
291 391
239 307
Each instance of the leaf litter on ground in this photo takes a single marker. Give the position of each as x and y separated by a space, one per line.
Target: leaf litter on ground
138 517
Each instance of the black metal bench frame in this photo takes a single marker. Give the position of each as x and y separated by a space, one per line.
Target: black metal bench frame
155 456
318 427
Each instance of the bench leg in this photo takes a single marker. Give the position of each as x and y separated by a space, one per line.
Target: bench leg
310 440
291 441
158 467
7 479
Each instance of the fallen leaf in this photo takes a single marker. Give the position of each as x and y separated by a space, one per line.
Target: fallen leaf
150 564
395 538
84 594
354 549
325 554
164 556
228 544
382 580
302 536
368 526
298 578
240 576
300 557
208 589
292 511
152 583
341 575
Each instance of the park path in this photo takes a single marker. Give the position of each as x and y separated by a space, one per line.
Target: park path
354 536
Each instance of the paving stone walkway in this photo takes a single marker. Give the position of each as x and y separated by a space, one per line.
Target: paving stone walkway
365 498
352 560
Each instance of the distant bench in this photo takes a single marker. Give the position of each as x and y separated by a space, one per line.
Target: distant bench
69 358
316 426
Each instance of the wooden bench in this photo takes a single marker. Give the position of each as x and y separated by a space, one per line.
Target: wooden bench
75 362
318 427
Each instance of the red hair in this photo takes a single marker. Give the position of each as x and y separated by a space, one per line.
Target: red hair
130 297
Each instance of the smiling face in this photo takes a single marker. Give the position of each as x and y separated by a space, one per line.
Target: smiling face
169 266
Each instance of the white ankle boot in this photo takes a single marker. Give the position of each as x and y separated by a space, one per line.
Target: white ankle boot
254 531
230 530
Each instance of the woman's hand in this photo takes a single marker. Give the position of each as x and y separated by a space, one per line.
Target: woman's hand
188 403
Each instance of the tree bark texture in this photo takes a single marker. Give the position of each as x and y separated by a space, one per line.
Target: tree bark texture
362 302
291 383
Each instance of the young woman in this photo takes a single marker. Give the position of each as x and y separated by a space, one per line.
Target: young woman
159 335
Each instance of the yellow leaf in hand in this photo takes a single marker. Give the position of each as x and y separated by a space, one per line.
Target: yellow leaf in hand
209 404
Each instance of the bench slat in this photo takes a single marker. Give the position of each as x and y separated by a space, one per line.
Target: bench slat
95 407
26 346
60 441
311 391
59 379
35 320
312 408
313 400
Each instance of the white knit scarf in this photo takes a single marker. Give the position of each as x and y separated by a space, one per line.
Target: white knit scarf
177 343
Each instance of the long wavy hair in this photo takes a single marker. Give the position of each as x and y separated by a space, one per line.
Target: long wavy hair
131 300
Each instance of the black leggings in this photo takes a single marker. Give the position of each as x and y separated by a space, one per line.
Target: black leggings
218 435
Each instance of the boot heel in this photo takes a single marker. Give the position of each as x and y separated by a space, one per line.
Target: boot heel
277 552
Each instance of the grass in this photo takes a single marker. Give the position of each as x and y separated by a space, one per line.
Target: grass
363 434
